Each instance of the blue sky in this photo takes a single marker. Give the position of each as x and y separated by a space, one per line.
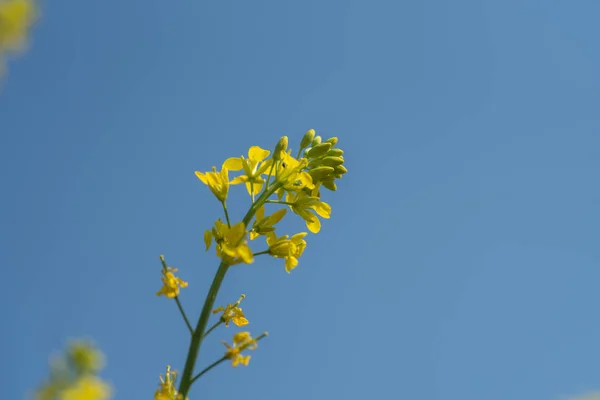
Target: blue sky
461 259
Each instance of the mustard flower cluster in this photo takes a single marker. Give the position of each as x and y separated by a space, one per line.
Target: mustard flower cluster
272 179
16 18
296 182
74 376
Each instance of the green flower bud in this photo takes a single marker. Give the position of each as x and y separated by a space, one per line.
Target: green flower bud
318 150
281 147
340 169
332 161
335 152
329 184
332 140
307 138
316 141
319 173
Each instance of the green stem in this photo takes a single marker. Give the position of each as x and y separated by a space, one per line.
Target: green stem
269 177
196 341
205 370
226 214
261 252
211 329
185 318
280 202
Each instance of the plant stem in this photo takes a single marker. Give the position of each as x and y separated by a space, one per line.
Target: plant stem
287 203
211 329
196 341
185 318
261 252
226 214
205 370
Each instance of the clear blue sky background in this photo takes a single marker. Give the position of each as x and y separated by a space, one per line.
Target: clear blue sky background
461 260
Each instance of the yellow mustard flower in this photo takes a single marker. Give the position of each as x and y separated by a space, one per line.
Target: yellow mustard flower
89 387
302 203
241 341
289 249
263 225
233 312
171 283
254 166
16 17
166 389
231 243
290 173
85 357
217 182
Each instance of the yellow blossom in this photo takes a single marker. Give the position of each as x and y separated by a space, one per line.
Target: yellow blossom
231 243
290 173
289 249
171 283
16 16
88 387
241 341
85 357
233 312
252 172
301 203
262 225
217 182
167 390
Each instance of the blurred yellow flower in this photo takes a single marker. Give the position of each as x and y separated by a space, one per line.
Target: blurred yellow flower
171 283
88 387
16 17
85 357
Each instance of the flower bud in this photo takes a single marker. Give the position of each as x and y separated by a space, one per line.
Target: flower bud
332 161
319 173
281 147
340 169
332 140
307 138
335 152
330 184
316 141
318 150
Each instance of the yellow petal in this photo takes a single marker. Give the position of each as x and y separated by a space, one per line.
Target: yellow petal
260 213
312 223
208 239
290 263
256 154
257 188
233 164
323 209
245 254
238 180
202 177
277 216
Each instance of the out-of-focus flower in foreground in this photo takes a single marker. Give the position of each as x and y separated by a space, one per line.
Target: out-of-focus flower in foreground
75 375
16 18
